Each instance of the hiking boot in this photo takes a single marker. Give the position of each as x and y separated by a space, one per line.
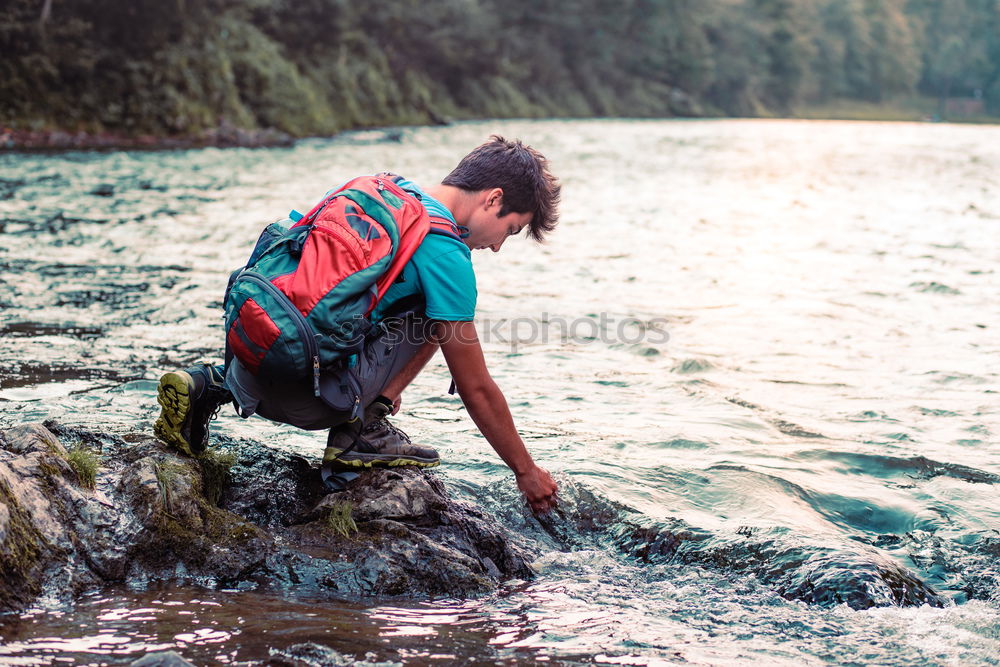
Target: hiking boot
189 400
378 444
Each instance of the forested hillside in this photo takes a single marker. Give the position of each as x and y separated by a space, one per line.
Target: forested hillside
176 67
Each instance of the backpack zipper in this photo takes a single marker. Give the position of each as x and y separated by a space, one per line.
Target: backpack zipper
305 329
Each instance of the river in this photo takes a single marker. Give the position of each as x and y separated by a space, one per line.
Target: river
779 328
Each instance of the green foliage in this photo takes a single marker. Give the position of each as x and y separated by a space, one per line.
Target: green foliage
318 66
867 50
166 474
85 462
340 520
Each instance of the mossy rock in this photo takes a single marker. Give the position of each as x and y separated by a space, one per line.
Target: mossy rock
21 550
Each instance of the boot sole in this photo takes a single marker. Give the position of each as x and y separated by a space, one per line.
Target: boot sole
378 461
174 396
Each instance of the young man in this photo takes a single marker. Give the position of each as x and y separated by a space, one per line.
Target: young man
498 190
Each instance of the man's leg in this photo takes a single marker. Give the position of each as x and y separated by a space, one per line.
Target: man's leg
389 366
189 399
401 380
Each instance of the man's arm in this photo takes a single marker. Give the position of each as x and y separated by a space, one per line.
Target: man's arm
488 408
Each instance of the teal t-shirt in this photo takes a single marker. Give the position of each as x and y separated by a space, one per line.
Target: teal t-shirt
438 279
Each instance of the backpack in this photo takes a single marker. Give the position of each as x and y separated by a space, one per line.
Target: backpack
302 303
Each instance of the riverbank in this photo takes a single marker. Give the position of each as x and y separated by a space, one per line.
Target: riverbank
924 109
229 136
223 136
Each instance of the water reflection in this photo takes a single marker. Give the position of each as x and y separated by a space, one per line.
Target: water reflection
586 604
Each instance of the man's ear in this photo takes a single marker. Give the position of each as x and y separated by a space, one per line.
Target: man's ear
494 196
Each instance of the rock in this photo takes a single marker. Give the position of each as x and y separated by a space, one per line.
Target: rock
249 516
29 438
40 507
405 520
798 567
161 659
860 580
272 491
398 495
244 514
316 655
969 565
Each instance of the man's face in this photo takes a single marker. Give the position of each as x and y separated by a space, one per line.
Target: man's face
488 230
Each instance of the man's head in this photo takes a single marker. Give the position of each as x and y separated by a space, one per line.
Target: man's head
516 187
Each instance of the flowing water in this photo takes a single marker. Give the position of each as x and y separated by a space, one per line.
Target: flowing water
755 327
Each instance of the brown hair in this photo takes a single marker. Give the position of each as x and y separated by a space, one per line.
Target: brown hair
523 175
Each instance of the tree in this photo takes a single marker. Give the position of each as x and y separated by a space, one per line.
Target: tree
956 46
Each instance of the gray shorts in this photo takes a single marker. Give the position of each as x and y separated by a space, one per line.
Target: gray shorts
395 342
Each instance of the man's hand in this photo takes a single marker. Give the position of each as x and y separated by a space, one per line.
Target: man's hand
539 488
488 408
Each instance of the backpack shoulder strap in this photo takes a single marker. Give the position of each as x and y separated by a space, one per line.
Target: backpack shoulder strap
389 176
445 227
439 225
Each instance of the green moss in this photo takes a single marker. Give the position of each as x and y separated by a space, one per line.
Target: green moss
215 477
53 447
220 531
225 529
218 526
86 463
340 520
49 469
20 552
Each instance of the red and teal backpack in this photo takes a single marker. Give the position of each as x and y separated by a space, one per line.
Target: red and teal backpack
303 301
